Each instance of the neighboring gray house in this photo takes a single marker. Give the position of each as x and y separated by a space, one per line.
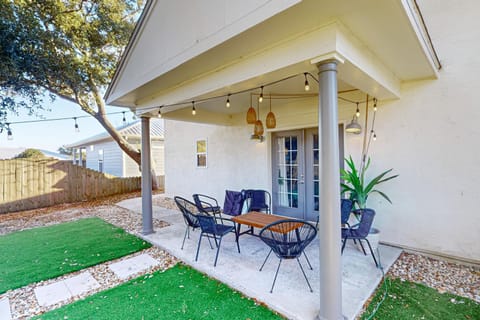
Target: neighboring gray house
102 153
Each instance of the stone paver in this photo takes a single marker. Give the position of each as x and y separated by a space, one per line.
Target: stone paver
56 292
52 293
128 267
5 313
81 283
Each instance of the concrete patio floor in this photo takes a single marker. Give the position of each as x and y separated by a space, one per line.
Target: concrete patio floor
291 296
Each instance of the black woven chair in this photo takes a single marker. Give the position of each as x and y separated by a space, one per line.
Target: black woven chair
258 200
288 239
213 230
206 204
360 231
186 208
346 208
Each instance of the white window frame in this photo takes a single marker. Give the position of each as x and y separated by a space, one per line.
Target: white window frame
197 153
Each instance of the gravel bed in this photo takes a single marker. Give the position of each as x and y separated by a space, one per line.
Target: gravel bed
23 302
444 276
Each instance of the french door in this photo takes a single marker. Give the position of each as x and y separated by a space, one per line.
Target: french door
295 166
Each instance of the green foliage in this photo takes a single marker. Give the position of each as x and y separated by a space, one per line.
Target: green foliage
30 154
408 300
178 293
359 189
43 253
66 48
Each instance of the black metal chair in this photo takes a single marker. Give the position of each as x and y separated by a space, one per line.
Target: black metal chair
186 207
360 231
258 200
206 204
288 239
346 208
213 230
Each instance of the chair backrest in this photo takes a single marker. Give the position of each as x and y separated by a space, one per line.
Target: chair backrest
207 223
205 203
186 208
288 238
346 206
233 204
258 200
366 221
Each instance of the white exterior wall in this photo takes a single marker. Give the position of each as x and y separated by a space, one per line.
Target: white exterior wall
131 168
429 136
234 162
112 158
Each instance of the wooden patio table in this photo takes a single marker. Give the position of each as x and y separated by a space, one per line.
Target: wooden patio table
259 220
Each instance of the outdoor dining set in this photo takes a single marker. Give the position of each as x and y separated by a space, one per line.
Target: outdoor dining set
286 237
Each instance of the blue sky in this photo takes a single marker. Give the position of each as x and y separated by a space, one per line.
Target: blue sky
50 135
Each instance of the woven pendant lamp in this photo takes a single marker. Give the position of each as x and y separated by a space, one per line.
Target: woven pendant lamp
271 122
258 128
251 114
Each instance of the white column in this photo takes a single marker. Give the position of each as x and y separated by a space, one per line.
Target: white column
147 222
329 223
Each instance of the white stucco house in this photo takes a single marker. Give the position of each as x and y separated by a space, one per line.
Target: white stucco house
417 59
101 153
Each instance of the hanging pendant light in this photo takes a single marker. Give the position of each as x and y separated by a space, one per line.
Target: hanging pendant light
251 114
271 122
258 128
354 126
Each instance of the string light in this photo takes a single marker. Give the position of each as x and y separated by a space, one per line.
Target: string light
9 132
374 135
124 120
307 85
374 104
159 112
357 113
77 129
260 98
194 112
228 101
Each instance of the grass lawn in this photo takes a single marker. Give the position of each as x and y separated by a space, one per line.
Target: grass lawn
407 300
43 253
177 293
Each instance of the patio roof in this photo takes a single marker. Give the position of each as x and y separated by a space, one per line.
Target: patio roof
381 44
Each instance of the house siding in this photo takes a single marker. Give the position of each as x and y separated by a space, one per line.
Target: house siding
112 158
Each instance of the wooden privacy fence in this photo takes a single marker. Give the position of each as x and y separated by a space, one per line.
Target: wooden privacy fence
28 184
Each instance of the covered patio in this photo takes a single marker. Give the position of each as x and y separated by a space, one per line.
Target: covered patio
240 54
291 296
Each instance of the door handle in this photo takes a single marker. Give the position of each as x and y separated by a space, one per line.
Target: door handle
302 179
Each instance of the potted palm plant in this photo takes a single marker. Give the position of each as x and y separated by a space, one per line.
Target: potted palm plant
359 189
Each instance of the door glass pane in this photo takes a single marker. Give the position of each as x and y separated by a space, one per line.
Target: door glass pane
287 169
316 180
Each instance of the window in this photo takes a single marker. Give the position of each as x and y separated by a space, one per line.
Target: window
201 153
100 160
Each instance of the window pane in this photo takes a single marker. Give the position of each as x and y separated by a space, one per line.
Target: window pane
201 160
201 146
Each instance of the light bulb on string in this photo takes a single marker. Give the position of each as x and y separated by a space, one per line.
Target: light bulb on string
374 136
77 129
124 120
374 104
357 113
160 112
228 101
307 85
194 111
9 132
260 98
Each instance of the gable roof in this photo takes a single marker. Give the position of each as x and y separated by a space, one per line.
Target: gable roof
133 129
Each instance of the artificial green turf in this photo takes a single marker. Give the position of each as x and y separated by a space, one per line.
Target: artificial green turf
178 293
43 253
408 300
